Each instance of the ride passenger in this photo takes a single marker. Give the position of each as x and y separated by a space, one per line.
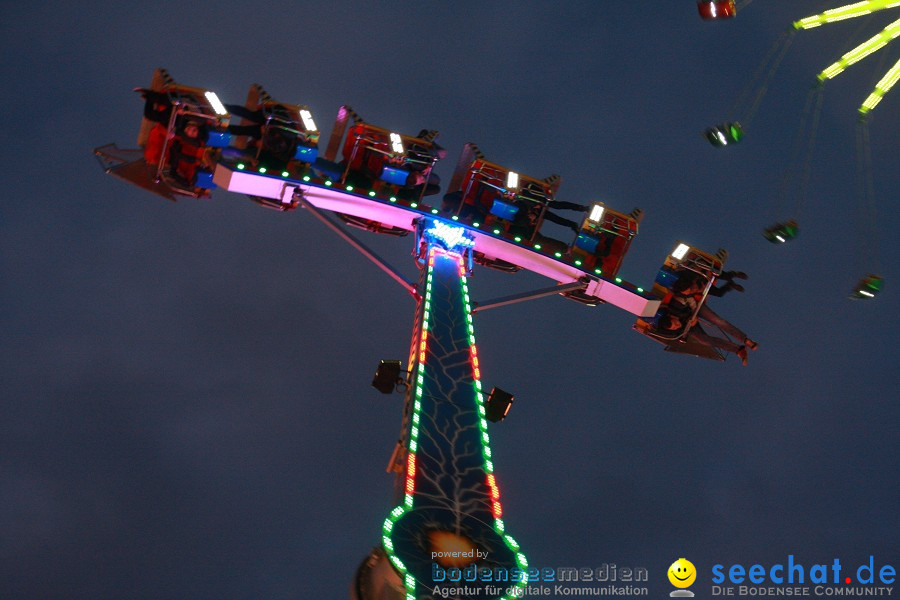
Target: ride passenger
730 284
687 294
563 205
156 140
275 145
689 282
673 323
185 153
158 110
157 105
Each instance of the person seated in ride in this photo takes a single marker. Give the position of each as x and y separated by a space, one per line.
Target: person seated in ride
474 206
692 283
524 224
272 147
555 218
673 323
562 205
158 110
686 296
277 148
157 105
185 154
435 149
257 119
728 277
153 149
432 152
525 220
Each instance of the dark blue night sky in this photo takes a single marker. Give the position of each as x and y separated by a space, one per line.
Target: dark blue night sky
184 391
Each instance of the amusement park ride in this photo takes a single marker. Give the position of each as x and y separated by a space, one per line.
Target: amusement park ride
448 511
747 104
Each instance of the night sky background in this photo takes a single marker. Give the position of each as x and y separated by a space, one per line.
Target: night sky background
186 409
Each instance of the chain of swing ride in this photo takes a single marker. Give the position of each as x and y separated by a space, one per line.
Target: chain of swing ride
799 166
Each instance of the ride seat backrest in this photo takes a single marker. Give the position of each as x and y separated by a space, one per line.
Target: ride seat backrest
665 278
485 195
477 187
368 138
613 259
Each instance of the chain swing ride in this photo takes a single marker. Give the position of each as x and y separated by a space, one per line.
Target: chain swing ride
799 164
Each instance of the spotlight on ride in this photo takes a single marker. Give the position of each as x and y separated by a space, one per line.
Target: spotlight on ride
387 377
498 404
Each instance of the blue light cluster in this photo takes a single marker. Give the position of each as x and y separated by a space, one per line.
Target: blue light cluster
452 239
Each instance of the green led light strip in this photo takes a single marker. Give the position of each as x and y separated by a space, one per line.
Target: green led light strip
419 354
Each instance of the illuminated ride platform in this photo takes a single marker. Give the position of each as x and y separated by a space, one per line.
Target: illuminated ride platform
403 214
447 514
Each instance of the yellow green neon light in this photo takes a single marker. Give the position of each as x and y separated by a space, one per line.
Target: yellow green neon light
849 11
882 88
871 45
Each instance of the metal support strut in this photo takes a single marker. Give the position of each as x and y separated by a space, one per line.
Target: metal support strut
532 295
362 248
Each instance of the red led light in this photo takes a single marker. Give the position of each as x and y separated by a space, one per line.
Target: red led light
495 491
422 346
411 474
497 510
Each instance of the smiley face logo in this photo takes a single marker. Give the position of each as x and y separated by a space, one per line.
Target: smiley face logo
682 573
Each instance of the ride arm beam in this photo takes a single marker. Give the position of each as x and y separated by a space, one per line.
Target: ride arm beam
881 88
362 248
848 11
873 44
532 295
